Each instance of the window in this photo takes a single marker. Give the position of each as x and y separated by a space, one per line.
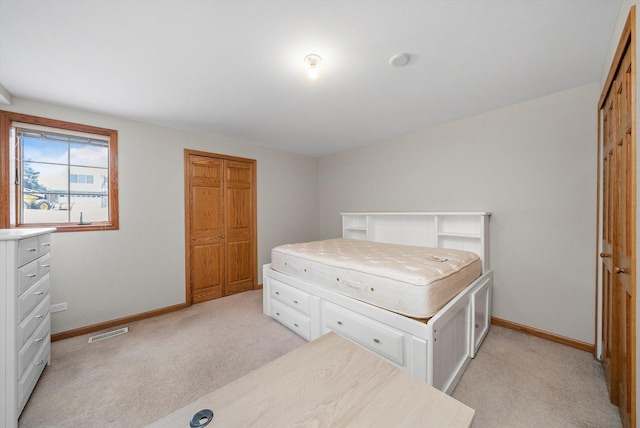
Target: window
65 174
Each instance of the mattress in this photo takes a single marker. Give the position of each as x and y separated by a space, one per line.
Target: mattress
410 280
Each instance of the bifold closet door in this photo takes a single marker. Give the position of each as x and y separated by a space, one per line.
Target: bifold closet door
238 185
220 226
618 177
207 233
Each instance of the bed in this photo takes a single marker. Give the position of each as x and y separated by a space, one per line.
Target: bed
414 288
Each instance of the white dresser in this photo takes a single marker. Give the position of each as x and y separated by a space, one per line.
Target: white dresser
25 322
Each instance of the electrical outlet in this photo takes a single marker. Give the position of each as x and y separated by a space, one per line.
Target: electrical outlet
59 307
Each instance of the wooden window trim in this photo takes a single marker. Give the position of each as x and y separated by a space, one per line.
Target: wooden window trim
6 121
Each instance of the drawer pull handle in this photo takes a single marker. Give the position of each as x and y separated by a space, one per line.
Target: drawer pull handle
278 313
277 292
46 244
40 316
376 340
38 293
39 362
32 275
295 324
47 265
31 250
339 322
40 339
295 301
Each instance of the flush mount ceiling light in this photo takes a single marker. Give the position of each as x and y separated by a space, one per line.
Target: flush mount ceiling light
312 62
398 60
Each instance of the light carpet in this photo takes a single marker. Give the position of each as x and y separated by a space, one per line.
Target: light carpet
166 362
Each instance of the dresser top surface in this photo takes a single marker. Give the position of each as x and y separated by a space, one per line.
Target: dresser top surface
327 382
21 233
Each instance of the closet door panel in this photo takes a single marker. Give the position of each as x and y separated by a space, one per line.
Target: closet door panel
239 226
206 220
618 233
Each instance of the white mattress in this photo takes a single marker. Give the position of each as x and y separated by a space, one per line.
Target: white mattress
413 281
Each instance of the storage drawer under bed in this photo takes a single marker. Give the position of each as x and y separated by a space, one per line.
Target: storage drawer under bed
292 319
290 296
372 335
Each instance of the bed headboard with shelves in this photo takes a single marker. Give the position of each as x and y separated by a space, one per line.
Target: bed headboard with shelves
468 231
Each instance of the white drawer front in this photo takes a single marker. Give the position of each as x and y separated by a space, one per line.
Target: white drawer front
32 321
44 264
295 321
30 298
28 381
44 243
298 300
34 343
373 335
27 276
27 250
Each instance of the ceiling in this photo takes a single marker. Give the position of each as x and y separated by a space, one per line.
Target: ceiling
236 68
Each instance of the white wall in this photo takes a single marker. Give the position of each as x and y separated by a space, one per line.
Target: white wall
533 165
141 267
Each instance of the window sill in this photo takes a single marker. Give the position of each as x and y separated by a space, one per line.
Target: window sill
73 227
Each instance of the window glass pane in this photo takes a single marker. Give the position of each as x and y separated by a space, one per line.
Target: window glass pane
92 153
74 178
93 208
90 196
42 185
41 150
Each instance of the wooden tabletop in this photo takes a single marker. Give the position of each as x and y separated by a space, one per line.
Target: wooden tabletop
329 382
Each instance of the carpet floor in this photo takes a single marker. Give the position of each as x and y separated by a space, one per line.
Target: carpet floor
166 362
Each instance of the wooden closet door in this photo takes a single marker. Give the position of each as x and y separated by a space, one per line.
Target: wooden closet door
609 301
239 227
618 227
206 211
220 225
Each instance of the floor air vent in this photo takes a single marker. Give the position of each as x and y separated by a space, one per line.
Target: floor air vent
109 334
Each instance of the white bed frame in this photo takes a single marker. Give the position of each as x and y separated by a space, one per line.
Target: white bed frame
437 351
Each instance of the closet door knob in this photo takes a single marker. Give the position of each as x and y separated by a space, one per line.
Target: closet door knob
605 255
620 270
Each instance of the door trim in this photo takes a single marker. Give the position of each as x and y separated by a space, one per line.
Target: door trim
187 217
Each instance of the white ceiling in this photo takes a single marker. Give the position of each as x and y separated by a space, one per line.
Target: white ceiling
236 69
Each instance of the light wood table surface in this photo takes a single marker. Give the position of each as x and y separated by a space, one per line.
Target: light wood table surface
329 382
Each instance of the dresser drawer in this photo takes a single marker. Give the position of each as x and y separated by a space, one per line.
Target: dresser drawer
375 336
32 321
44 264
27 276
27 250
30 298
295 321
296 299
34 343
28 381
44 244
